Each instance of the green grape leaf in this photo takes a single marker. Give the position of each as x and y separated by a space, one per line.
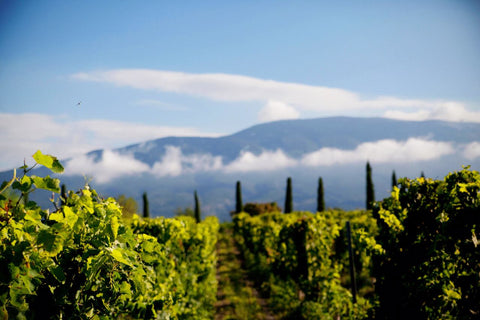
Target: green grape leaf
23 184
17 298
58 273
52 242
70 216
117 254
112 227
67 216
48 161
47 183
33 215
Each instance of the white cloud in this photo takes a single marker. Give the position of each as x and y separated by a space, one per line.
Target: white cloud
382 151
110 166
419 115
266 161
225 87
228 87
171 163
23 134
174 163
472 151
276 110
113 165
447 111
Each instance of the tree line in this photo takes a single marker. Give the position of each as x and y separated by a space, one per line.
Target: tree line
130 206
256 208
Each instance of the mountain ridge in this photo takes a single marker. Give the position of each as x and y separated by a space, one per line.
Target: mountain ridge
316 133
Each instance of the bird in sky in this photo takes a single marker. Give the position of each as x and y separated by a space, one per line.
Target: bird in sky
79 103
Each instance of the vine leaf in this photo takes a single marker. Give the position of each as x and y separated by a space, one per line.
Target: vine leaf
23 184
58 273
51 240
48 161
47 183
7 184
117 254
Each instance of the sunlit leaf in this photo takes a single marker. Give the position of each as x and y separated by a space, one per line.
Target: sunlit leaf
51 241
48 161
117 254
47 183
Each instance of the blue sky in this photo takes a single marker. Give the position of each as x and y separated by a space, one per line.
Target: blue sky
148 69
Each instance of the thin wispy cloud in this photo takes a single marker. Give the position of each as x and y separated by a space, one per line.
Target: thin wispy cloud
23 134
174 162
320 99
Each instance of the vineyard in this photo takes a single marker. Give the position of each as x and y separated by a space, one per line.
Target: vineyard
415 254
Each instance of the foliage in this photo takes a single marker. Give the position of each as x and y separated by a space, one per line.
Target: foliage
129 206
237 297
298 260
82 261
429 231
188 212
188 268
255 209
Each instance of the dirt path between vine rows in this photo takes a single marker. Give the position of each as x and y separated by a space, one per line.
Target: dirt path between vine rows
236 297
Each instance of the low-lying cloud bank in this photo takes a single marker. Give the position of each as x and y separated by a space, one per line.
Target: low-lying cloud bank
174 162
111 165
289 98
382 151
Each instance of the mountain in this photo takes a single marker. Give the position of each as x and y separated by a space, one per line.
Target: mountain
297 137
263 156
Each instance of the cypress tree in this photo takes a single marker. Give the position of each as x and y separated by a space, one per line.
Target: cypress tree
320 197
370 188
239 203
394 179
146 209
422 174
198 217
289 197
